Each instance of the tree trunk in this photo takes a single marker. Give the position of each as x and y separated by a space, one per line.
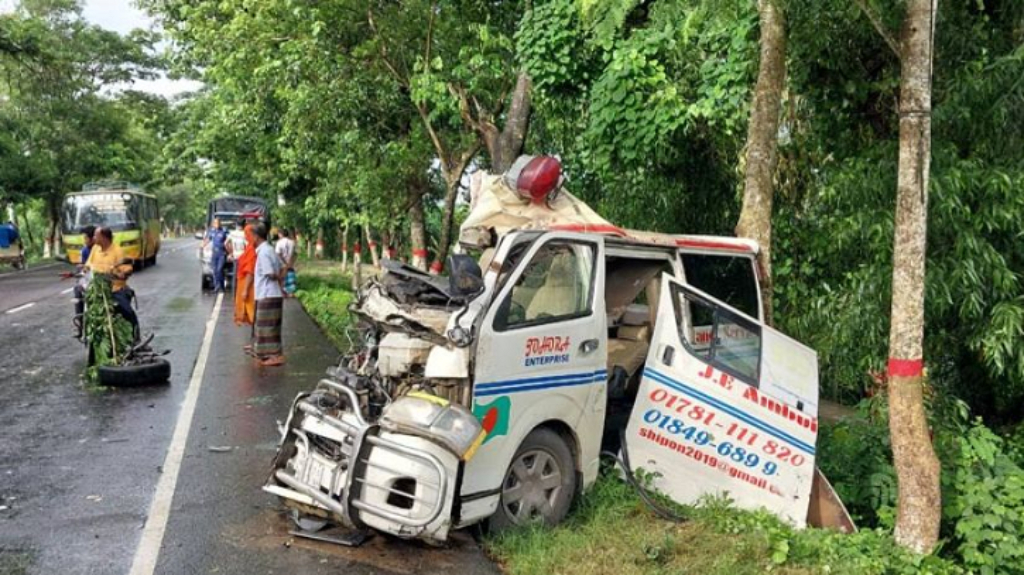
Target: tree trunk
504 146
319 243
917 467
27 230
418 232
357 261
447 220
762 143
374 255
344 249
385 245
51 237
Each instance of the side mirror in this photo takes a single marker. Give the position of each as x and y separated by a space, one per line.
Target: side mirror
465 278
198 235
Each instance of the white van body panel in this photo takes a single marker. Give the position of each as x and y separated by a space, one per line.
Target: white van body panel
701 430
535 374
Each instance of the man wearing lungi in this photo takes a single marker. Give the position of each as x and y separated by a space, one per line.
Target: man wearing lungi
269 300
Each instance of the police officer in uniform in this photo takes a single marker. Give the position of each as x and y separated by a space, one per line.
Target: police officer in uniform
217 237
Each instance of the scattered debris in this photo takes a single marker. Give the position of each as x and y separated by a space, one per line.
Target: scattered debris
219 448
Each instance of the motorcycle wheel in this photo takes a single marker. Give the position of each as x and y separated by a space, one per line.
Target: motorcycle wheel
154 372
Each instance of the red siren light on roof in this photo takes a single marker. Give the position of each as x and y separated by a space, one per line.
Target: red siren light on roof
535 178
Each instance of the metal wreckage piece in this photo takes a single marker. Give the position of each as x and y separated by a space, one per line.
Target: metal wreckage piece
376 444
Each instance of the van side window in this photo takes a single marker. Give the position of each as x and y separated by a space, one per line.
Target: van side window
556 285
718 336
726 278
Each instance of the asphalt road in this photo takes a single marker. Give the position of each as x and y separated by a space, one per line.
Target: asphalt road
80 468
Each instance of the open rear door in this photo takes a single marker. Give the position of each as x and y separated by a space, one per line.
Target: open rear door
727 405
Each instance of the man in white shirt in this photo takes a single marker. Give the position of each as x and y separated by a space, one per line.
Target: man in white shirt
285 249
269 301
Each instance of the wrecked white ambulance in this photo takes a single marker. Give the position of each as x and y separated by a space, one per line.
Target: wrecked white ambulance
489 394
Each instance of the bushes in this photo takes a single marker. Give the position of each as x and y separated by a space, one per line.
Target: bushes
983 486
326 299
985 504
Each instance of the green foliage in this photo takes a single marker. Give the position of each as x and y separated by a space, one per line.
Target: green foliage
857 459
109 335
61 123
987 506
1015 444
644 103
982 485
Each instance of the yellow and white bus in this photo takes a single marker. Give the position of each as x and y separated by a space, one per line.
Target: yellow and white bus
133 215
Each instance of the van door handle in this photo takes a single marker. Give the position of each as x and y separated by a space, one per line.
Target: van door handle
588 346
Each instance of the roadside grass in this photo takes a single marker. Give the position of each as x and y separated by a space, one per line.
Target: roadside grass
611 532
16 561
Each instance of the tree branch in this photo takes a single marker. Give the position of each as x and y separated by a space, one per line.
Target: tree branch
438 147
879 27
382 48
459 94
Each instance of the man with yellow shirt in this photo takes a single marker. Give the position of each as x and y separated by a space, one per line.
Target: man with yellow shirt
107 258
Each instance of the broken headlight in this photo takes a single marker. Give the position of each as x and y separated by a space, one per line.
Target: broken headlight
435 419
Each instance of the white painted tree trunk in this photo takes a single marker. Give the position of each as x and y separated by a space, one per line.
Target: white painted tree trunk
344 249
418 234
372 245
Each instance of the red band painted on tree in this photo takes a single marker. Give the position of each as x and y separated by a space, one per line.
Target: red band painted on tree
373 245
435 267
419 253
905 367
358 248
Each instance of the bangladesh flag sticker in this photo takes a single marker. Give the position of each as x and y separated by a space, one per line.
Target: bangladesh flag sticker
494 416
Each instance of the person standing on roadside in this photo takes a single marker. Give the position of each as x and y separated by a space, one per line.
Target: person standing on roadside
79 291
269 301
285 248
245 286
217 237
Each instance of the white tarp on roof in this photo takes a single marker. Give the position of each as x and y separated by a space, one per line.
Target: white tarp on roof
495 206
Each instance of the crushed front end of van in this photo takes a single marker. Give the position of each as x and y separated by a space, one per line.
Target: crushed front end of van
376 444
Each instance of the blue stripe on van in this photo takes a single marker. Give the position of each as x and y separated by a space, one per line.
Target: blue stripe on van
537 383
734 412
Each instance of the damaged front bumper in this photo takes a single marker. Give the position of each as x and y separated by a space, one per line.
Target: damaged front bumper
335 466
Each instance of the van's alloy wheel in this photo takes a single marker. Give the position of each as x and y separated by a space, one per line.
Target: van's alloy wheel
532 487
539 484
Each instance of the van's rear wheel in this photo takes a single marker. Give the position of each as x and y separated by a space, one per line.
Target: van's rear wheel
539 485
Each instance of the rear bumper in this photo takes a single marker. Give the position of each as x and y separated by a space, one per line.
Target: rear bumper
335 465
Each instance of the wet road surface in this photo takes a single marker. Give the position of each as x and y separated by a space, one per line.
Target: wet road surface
79 467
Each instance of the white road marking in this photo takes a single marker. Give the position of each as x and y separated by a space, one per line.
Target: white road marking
21 307
69 290
160 509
